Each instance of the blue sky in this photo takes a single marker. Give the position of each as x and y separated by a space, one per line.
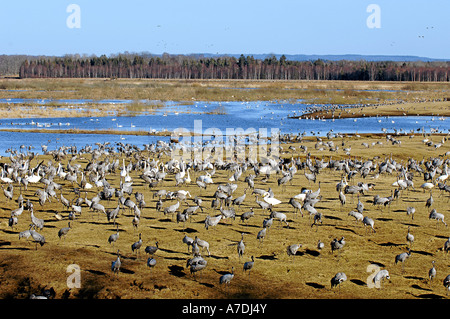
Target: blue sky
420 28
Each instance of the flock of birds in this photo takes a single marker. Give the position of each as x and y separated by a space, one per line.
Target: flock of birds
169 179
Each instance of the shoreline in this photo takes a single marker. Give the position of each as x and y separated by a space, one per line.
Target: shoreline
422 108
172 133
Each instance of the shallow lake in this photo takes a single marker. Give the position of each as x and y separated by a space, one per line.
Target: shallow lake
200 116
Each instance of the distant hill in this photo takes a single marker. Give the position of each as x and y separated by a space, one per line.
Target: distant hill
333 57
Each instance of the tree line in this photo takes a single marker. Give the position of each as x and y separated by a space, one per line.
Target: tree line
229 67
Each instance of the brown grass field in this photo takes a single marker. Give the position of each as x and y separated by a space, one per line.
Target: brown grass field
26 269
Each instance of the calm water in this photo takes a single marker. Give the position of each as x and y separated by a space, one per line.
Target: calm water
245 115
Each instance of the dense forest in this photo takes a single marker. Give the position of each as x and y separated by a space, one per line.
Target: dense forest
226 67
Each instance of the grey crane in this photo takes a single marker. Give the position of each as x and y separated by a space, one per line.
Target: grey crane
18 211
359 206
8 193
195 249
291 250
246 215
280 216
212 221
136 246
172 208
76 209
188 241
261 235
296 205
446 247
310 177
317 220
182 217
116 264
357 215
248 265
262 204
196 264
215 203
367 221
342 198
113 213
410 211
202 244
64 201
159 205
64 231
446 283
310 209
42 196
113 237
402 258
380 276
337 244
151 262
338 279
129 203
36 222
432 272
429 201
226 278
97 207
239 200
437 216
320 245
409 237
25 234
37 238
151 250
135 222
12 221
241 246
268 222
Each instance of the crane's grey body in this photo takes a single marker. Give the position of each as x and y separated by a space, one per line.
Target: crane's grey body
151 262
432 272
37 238
248 265
113 237
136 246
151 250
226 279
367 221
402 258
202 244
380 276
357 215
437 216
116 264
446 283
339 278
241 246
64 231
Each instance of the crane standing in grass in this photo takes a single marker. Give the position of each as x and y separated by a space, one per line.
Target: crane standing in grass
402 258
64 231
432 272
113 237
241 246
137 245
249 265
338 279
116 264
292 250
446 283
226 278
